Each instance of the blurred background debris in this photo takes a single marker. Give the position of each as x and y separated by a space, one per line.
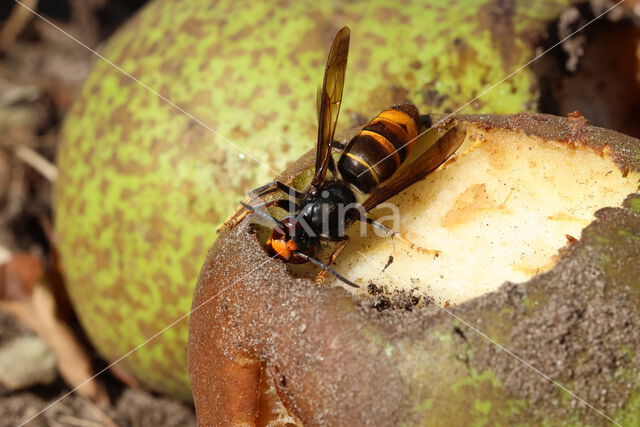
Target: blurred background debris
43 353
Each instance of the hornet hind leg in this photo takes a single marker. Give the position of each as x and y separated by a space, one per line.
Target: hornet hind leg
400 237
332 259
340 248
328 269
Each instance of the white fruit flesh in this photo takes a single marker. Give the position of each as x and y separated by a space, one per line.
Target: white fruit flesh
500 212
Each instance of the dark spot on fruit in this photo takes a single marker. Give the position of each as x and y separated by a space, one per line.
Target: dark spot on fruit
373 289
284 89
375 39
433 98
406 300
383 303
498 15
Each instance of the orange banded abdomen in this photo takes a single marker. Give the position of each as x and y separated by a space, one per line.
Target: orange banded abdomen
380 148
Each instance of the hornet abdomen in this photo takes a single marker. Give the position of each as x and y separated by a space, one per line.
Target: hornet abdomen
380 148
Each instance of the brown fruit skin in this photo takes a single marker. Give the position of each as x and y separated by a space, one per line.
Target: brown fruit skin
335 362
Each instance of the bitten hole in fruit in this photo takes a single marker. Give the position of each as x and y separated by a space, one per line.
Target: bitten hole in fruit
500 212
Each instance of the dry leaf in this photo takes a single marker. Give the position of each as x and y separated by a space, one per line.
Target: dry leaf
18 277
37 310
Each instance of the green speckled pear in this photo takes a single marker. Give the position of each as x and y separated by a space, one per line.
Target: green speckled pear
142 185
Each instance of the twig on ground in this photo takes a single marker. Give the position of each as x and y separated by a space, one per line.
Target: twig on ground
36 161
19 18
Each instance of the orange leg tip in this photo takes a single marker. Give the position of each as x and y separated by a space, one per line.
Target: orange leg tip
233 220
320 277
433 252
